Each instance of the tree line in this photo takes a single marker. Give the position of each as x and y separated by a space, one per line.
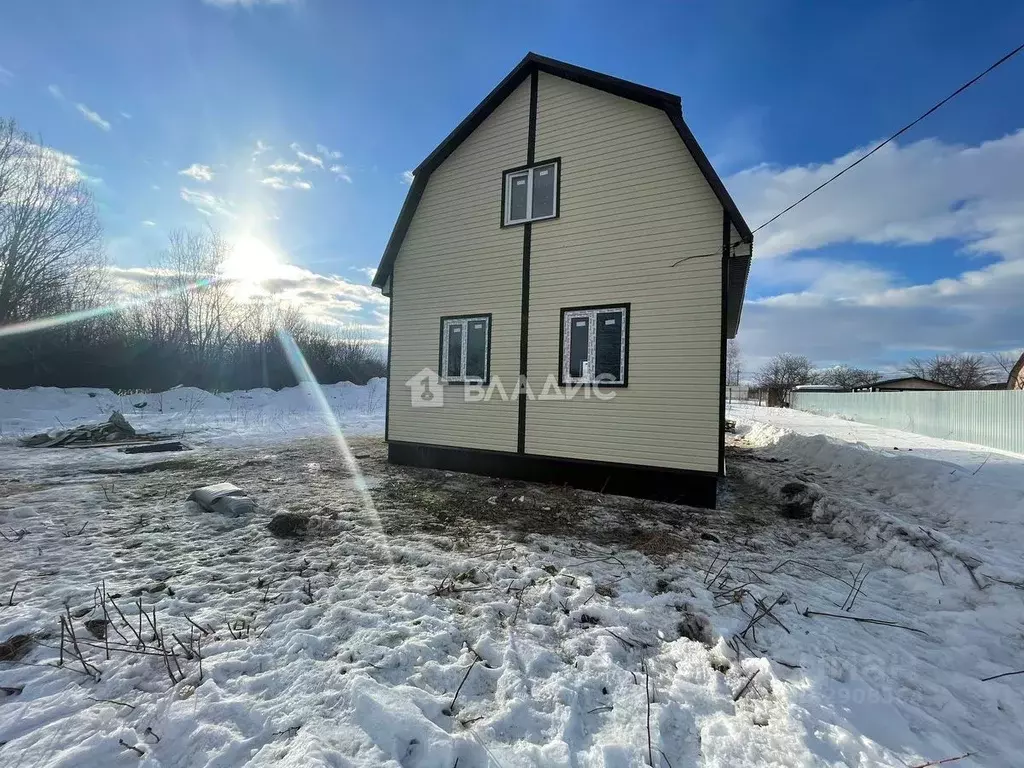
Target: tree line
184 327
959 370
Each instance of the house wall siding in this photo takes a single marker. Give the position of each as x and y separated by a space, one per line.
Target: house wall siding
457 260
633 201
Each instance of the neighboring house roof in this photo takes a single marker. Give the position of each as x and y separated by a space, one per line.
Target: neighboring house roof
670 103
1016 380
904 380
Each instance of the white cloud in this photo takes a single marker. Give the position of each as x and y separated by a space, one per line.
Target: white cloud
6 75
918 193
370 272
55 92
283 166
148 223
407 177
206 203
92 117
126 115
841 310
276 182
198 172
62 170
261 147
331 153
311 159
328 299
341 172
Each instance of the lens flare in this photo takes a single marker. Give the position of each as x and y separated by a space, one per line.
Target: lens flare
304 375
45 323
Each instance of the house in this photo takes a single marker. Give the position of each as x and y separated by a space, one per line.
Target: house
564 274
905 384
1016 380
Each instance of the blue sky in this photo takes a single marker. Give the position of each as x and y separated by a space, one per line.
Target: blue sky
920 249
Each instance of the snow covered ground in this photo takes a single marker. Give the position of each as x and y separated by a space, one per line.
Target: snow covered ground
241 417
469 621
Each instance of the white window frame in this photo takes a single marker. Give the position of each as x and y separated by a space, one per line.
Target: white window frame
529 173
591 313
463 321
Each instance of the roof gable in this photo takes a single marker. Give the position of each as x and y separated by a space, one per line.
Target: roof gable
668 102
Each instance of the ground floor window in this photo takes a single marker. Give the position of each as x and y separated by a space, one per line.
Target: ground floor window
595 345
465 354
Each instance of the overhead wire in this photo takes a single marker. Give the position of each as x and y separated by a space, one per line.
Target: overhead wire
870 152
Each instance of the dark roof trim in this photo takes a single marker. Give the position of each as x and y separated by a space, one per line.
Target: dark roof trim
668 102
885 382
739 269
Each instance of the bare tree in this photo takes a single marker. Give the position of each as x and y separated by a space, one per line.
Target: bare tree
1003 363
50 238
959 370
780 374
733 363
846 376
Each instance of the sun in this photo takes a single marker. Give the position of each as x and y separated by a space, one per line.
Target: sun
250 263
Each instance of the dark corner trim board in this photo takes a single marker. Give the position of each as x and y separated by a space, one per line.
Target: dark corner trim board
440 349
561 345
524 307
387 385
726 250
678 486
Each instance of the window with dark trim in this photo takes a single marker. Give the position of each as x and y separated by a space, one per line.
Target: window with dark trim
530 193
465 354
595 345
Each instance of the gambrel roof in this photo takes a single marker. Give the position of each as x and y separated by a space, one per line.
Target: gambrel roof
670 103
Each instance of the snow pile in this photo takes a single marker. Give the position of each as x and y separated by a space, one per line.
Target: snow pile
197 414
971 514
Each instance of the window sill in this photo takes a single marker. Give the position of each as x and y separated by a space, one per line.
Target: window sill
594 384
511 224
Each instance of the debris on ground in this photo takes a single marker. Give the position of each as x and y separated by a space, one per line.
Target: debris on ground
116 429
288 524
798 499
173 445
15 647
223 498
97 628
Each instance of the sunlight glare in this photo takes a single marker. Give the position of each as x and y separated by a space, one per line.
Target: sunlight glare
250 263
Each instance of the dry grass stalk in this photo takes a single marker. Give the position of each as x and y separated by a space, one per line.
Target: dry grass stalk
944 761
126 745
743 690
808 612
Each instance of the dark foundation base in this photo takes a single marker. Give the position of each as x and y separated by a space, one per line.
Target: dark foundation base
679 486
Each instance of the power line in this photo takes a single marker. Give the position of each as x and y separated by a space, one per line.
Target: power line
872 151
896 135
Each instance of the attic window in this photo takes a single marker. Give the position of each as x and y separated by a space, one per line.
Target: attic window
595 345
465 349
530 193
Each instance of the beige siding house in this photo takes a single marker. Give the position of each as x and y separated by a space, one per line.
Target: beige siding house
563 277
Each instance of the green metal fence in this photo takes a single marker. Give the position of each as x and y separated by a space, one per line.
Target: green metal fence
991 418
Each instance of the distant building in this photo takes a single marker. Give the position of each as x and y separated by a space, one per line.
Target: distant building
905 384
1016 380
